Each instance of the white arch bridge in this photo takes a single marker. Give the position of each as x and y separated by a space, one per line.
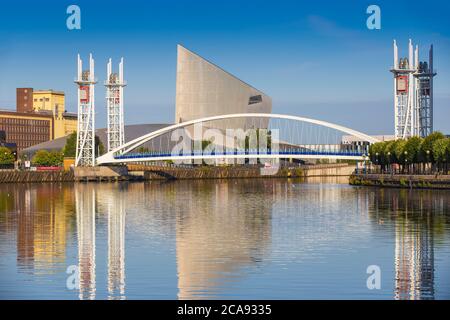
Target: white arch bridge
290 137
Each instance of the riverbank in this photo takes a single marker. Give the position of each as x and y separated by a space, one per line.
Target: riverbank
14 176
137 172
211 172
401 181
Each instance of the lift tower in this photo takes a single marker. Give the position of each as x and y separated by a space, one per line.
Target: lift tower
85 153
114 101
413 93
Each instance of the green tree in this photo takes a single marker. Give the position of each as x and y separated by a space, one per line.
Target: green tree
56 158
99 147
376 152
205 144
426 149
142 150
412 147
70 149
48 159
6 156
390 151
441 148
400 152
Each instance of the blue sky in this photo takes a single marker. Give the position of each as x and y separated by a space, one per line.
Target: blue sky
314 58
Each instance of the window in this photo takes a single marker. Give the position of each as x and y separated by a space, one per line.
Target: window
255 99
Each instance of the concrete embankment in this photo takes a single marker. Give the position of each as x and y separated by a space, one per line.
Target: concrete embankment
158 173
11 176
137 172
401 181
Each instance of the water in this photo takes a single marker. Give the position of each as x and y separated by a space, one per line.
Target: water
228 239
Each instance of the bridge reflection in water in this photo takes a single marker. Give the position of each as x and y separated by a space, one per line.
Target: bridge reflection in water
222 230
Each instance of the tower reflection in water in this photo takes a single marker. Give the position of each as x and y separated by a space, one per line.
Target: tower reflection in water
85 208
116 243
416 216
88 201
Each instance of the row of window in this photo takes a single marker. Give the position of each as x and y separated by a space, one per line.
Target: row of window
35 138
29 122
26 129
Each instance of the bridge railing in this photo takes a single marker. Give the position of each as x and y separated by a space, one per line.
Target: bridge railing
156 154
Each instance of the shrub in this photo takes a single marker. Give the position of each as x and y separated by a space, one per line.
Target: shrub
6 156
48 159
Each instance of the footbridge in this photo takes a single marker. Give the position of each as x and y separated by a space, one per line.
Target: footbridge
243 136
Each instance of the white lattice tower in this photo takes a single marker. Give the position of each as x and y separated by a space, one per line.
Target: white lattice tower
114 101
413 94
85 151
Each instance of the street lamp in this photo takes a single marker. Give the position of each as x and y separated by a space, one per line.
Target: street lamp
389 160
406 160
376 158
428 158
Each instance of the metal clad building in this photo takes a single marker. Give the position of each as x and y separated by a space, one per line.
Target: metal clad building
203 89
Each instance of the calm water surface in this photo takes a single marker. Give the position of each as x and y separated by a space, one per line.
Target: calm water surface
230 239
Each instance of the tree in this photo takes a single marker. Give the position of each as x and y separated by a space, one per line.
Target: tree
412 147
48 159
390 151
99 148
142 150
6 156
70 149
374 151
400 152
426 149
440 150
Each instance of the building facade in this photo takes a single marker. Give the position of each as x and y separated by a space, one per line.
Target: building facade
48 100
203 89
24 99
40 116
26 129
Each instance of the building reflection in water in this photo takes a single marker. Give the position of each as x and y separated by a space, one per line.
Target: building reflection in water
41 215
216 240
416 215
85 207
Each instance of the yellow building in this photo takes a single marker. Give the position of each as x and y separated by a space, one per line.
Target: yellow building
48 100
54 101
